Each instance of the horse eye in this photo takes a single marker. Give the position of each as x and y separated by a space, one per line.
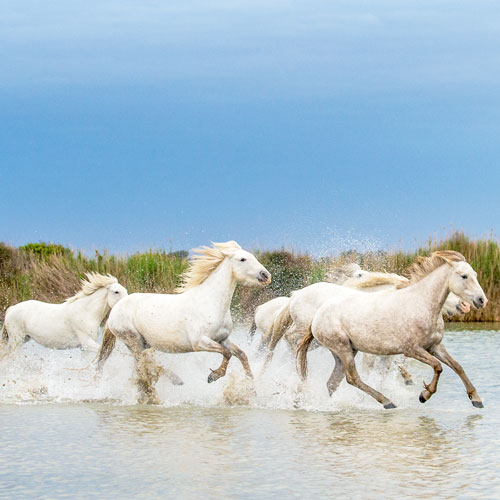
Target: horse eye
117 292
464 276
243 259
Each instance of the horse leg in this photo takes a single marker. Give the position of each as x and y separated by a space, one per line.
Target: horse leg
275 338
86 342
346 355
405 373
420 354
443 355
236 351
173 377
14 341
207 344
253 328
368 362
148 373
336 376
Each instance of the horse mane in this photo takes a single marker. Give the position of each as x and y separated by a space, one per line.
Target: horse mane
204 263
374 279
423 266
94 282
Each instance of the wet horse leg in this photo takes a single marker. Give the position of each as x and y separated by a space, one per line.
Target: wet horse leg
15 337
368 362
11 347
354 379
148 373
443 355
275 338
420 354
341 346
207 344
336 376
388 361
405 374
236 351
172 376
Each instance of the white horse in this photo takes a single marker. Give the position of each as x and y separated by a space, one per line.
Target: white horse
74 323
405 321
293 319
196 319
265 314
339 275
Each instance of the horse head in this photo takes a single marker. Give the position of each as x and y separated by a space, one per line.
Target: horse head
115 293
247 269
463 282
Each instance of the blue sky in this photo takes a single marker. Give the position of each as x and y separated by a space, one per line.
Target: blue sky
319 125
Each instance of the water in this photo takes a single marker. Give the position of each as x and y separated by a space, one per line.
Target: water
66 434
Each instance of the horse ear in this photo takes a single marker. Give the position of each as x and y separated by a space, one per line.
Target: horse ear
228 252
450 256
228 248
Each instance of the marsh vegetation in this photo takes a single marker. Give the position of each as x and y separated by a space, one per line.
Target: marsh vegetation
51 272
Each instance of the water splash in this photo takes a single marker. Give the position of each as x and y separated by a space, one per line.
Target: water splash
39 375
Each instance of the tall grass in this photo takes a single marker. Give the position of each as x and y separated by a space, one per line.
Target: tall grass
51 272
52 277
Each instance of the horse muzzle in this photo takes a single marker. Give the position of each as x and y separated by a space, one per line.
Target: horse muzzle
463 307
480 302
264 278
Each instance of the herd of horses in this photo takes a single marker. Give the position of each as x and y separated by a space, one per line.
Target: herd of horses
379 314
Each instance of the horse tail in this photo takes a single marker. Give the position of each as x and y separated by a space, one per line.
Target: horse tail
107 346
5 335
253 327
274 334
279 326
302 352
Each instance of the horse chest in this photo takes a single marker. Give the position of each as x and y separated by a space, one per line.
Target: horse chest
432 338
217 330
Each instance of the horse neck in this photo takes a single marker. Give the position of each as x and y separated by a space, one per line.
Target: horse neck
95 304
436 288
219 286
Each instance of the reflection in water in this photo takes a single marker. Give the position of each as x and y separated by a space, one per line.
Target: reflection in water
412 453
192 452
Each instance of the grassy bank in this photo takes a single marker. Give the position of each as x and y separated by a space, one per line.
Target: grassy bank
51 272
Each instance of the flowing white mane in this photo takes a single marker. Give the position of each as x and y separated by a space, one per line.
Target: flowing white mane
423 266
94 282
374 279
205 262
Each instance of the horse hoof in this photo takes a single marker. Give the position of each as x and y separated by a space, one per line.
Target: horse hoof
213 377
477 404
422 399
389 406
409 382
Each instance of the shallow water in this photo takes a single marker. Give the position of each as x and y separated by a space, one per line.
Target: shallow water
67 434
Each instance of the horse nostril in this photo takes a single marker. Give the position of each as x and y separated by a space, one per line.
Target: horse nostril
264 277
481 300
